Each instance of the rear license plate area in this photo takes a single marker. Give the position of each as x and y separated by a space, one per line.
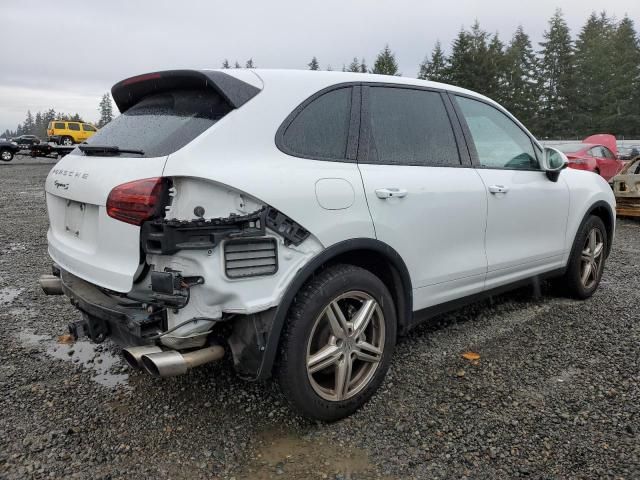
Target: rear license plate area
73 217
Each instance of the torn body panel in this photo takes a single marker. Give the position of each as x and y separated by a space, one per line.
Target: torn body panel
246 252
626 188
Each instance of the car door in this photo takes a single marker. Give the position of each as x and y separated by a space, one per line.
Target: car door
527 212
613 165
425 200
74 131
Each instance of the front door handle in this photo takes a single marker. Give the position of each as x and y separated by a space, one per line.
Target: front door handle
498 189
391 192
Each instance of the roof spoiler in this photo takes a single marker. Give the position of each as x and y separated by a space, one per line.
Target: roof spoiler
130 91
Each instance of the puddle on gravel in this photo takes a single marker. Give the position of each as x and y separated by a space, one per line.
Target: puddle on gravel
288 456
92 357
9 294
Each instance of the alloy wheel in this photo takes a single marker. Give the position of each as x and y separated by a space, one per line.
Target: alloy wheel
592 256
345 346
6 155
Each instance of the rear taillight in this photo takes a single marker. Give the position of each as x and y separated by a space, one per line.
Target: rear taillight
138 201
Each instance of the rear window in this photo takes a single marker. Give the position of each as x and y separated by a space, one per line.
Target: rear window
59 125
163 123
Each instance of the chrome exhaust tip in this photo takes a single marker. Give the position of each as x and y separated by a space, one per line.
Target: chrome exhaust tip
51 285
133 355
171 363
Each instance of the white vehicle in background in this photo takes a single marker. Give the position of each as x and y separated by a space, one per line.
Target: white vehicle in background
303 220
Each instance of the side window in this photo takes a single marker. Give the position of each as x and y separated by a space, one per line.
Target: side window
321 129
59 125
74 126
88 128
608 153
499 141
410 127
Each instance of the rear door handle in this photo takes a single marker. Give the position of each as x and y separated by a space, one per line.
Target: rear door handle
391 192
498 189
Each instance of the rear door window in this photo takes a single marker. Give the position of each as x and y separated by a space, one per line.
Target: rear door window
321 129
163 123
74 126
410 127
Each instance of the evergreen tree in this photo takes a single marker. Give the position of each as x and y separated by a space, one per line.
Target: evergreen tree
354 66
106 110
250 64
385 63
435 68
520 93
28 126
329 68
593 80
556 81
313 64
623 97
237 65
476 61
225 64
363 66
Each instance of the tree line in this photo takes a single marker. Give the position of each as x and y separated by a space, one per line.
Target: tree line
37 124
565 88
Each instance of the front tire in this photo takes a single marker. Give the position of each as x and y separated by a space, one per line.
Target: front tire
6 155
67 141
586 263
337 344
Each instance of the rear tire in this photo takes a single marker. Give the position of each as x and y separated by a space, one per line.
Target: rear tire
6 155
586 263
66 141
337 344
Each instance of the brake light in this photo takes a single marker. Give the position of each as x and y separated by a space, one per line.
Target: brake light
138 201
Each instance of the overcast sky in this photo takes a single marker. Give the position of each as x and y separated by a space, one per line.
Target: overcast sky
65 54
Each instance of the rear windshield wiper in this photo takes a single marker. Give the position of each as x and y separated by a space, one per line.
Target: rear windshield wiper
109 150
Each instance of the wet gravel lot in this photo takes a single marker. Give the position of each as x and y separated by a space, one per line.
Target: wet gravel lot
555 393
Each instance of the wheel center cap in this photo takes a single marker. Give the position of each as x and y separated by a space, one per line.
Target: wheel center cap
349 344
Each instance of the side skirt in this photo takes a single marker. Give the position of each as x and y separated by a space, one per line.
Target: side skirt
420 316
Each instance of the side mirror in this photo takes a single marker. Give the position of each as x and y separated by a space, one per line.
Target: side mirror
554 162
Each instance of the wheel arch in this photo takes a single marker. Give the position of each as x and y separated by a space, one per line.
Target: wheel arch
604 211
368 253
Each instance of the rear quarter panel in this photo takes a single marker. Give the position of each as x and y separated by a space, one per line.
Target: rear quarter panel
240 152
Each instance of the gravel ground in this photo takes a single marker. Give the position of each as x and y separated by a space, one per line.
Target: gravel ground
555 393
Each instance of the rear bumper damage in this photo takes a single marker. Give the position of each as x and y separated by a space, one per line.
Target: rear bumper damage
139 327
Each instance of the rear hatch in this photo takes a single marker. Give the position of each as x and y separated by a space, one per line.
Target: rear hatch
161 112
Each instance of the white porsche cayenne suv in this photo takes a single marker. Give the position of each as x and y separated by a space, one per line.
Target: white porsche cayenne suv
301 221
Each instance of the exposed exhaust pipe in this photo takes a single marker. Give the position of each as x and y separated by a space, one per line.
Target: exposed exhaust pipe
171 362
133 355
51 285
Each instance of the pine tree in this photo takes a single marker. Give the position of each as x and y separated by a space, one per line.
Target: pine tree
520 93
593 79
476 61
250 64
313 64
435 68
106 110
237 65
354 66
363 66
329 68
28 126
556 81
225 64
623 98
385 63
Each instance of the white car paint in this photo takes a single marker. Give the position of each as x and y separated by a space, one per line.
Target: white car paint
455 237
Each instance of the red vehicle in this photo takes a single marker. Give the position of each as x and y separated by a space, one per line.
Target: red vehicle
597 153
